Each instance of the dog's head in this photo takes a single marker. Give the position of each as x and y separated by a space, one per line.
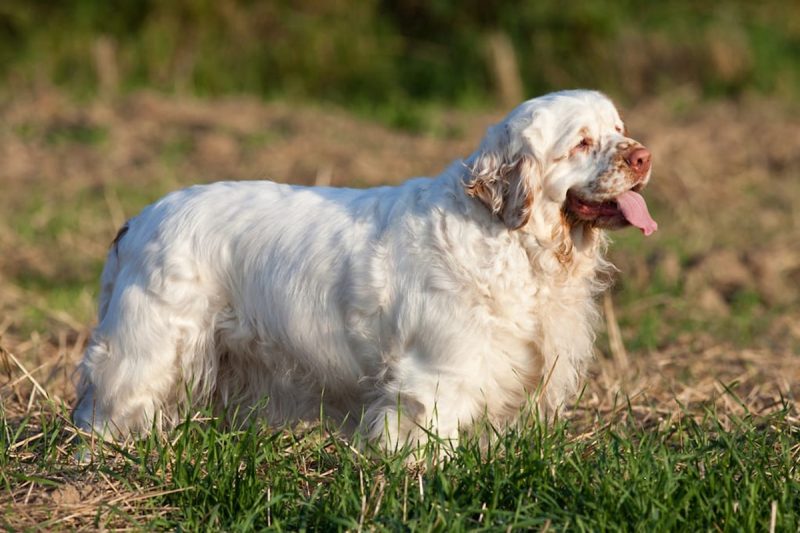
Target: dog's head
570 147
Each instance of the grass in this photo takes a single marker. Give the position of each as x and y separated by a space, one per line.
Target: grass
389 60
56 279
693 473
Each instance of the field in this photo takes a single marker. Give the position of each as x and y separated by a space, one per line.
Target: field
690 417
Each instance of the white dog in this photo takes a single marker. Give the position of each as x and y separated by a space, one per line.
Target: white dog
429 305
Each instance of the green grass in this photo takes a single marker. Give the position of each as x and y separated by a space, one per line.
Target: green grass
384 59
711 474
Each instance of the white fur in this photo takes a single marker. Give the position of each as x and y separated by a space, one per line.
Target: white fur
433 303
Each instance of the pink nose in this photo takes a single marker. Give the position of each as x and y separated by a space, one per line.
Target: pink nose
639 160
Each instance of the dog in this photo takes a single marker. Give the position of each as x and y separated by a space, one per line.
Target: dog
393 311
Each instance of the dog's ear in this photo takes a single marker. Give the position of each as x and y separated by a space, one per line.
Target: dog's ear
500 177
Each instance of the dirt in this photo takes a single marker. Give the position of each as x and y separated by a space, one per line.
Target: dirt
725 192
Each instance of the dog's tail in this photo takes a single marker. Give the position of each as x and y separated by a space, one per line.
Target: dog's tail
110 271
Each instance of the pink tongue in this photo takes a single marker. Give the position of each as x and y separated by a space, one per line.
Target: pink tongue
634 209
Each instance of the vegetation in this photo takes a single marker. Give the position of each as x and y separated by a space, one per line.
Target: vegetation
376 54
735 474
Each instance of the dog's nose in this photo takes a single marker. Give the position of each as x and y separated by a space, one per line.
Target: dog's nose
639 160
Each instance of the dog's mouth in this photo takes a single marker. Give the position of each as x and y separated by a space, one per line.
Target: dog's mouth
629 208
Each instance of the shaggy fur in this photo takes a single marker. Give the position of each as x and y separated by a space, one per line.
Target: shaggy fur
431 304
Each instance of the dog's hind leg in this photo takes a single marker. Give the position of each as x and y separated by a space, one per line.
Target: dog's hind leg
85 414
135 365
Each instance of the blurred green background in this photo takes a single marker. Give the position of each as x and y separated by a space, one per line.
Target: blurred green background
372 56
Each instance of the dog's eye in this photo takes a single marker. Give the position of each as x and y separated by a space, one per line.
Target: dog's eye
585 144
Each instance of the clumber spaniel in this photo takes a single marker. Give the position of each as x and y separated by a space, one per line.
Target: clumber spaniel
432 304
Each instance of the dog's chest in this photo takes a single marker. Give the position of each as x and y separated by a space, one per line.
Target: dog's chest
533 320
